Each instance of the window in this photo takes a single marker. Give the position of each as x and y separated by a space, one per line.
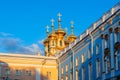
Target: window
52 43
66 67
62 78
97 48
107 41
98 67
90 71
18 72
60 42
62 70
7 71
48 74
89 53
66 78
83 58
76 61
28 73
76 73
107 64
48 48
83 73
115 37
117 60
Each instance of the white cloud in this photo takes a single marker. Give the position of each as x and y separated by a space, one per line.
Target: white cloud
14 45
4 34
41 41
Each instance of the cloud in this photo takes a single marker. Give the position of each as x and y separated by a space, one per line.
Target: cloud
3 34
15 45
41 41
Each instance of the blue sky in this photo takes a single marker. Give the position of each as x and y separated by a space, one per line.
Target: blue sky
22 22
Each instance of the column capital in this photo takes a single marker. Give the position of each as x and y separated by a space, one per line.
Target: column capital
102 36
116 30
106 36
110 30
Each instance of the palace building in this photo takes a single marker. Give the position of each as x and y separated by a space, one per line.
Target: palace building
94 55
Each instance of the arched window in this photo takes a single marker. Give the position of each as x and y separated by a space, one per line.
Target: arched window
52 43
76 73
83 58
60 42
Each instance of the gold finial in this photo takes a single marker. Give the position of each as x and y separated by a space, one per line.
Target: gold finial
72 27
52 20
47 30
59 20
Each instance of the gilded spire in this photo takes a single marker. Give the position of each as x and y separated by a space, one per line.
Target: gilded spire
52 20
47 30
59 20
72 27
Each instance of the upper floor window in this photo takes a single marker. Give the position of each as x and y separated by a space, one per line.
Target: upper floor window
48 74
52 43
60 42
89 53
117 35
106 41
62 70
66 67
97 48
83 58
66 78
28 73
76 61
18 72
62 78
76 73
48 48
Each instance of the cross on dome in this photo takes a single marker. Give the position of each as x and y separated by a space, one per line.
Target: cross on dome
59 15
52 20
72 27
47 29
72 24
59 20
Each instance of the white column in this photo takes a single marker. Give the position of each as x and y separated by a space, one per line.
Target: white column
38 74
103 65
103 41
112 49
